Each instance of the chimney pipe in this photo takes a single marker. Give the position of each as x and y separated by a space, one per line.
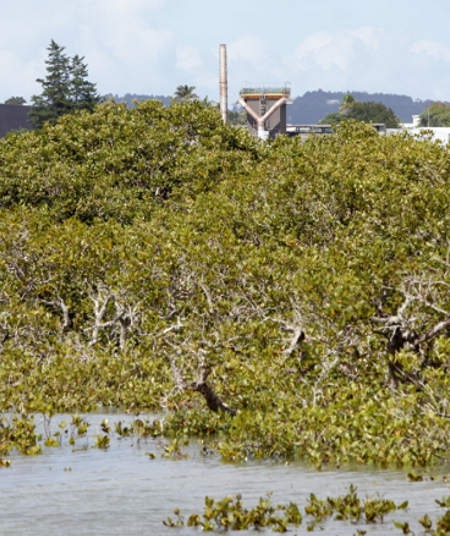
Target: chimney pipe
223 83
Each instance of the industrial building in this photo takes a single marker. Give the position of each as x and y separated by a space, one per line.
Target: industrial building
306 130
266 110
13 117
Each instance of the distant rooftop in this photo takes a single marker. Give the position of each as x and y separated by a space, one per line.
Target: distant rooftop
13 117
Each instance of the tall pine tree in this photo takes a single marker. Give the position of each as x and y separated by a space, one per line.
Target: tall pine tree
83 93
64 89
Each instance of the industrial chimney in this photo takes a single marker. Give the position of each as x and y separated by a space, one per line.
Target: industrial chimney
223 83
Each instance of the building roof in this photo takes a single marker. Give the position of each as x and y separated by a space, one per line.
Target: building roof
268 92
13 117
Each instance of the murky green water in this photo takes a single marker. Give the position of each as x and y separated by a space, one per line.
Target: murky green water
121 491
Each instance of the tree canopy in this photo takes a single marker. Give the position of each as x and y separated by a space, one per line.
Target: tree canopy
436 115
290 297
348 100
367 112
373 112
333 118
15 100
64 89
185 94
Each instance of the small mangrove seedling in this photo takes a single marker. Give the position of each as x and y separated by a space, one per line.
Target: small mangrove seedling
173 451
123 431
442 525
444 502
105 426
102 441
78 428
415 477
404 527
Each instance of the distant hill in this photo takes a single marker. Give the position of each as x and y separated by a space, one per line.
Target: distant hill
315 105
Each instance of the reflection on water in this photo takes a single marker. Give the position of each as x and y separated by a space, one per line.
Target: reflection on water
84 491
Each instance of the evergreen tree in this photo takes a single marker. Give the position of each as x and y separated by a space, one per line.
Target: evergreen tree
83 93
54 100
65 88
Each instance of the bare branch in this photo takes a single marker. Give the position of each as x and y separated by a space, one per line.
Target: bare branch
174 327
432 332
208 296
201 386
67 321
297 338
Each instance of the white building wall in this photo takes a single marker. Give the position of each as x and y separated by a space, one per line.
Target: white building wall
440 134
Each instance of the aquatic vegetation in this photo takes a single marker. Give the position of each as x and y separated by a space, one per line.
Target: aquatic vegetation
442 525
102 441
230 514
173 450
18 432
351 507
284 299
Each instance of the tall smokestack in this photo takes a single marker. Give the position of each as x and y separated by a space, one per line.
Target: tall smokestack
223 83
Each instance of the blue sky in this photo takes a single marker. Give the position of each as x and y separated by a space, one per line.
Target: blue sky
152 46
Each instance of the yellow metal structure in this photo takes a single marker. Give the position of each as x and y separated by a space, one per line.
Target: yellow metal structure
252 93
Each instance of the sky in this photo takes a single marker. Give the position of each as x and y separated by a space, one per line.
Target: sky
153 46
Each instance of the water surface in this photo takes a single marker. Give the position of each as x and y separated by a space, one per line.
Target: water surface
121 491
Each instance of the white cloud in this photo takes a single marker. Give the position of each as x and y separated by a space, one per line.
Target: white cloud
250 48
371 37
188 58
436 50
124 47
123 6
119 28
321 49
327 50
21 79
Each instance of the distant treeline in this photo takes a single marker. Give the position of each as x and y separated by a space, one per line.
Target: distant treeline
315 105
130 97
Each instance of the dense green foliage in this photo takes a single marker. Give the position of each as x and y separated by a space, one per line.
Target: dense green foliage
15 100
333 118
373 112
367 112
185 94
142 247
436 115
65 88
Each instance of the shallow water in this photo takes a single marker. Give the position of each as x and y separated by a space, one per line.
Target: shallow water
121 491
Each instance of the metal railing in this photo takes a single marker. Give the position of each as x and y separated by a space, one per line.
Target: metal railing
285 91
